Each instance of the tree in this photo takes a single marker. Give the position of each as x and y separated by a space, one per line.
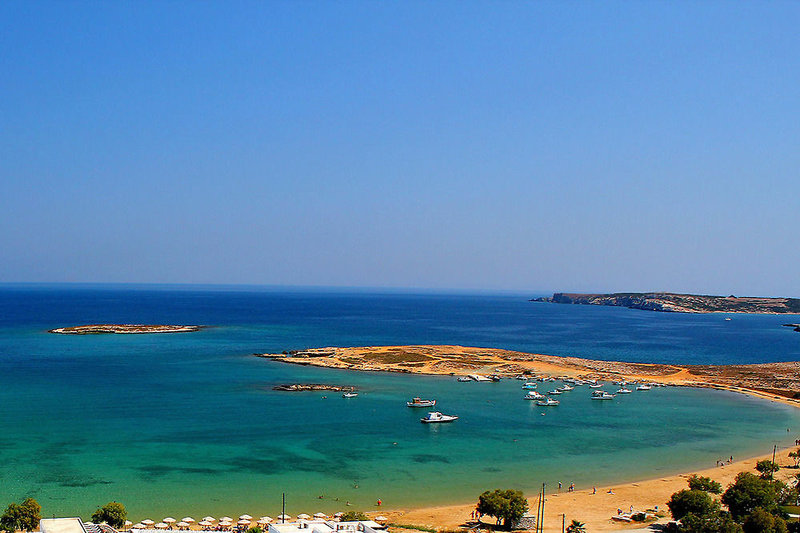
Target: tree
767 468
352 516
25 516
705 484
508 506
255 529
796 456
749 492
576 527
718 522
760 521
696 502
112 513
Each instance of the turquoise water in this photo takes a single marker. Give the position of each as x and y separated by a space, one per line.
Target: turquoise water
188 423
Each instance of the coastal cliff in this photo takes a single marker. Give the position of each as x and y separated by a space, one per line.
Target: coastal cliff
680 303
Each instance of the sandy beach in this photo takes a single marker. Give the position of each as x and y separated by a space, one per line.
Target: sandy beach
595 510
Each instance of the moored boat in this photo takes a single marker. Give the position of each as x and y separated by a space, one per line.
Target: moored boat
419 402
349 395
435 417
602 395
533 395
549 402
623 390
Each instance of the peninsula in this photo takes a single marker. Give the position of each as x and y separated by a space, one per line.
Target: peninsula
680 303
778 381
128 329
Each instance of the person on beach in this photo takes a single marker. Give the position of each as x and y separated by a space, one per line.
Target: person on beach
594 490
559 486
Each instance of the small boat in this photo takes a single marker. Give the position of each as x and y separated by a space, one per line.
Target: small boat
549 402
419 402
554 392
435 417
495 378
565 388
643 387
533 395
595 385
464 379
349 395
529 385
623 390
602 395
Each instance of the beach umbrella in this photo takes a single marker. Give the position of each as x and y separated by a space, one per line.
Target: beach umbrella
338 514
208 518
320 515
187 519
265 520
381 519
138 526
182 524
147 522
204 523
284 517
161 525
245 517
243 522
225 519
303 516
169 520
225 523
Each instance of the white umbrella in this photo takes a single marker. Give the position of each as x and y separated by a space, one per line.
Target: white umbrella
169 520
225 523
147 522
225 519
138 526
245 517
284 517
204 523
303 516
243 522
209 518
161 525
182 524
381 519
338 514
187 519
320 515
128 523
266 518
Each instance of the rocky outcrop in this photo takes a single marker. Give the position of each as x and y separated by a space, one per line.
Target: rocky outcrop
98 329
680 303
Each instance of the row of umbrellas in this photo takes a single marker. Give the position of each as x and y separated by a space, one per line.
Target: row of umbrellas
225 521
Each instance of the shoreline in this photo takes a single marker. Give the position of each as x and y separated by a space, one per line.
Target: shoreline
595 510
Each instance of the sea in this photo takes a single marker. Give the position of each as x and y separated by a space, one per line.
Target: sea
188 424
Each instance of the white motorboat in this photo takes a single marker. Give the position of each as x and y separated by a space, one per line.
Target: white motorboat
478 377
435 417
464 379
565 388
595 385
602 395
419 402
623 390
549 402
643 387
349 395
533 395
529 385
554 392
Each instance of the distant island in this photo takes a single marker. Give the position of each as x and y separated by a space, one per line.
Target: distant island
128 329
680 303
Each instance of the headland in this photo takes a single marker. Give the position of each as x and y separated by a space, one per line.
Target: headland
680 303
777 381
124 329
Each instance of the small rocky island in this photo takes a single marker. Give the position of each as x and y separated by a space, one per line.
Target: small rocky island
680 303
796 327
126 329
302 387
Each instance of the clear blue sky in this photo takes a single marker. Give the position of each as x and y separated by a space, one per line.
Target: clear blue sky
583 146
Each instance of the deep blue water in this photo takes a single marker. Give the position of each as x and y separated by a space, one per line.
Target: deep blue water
188 424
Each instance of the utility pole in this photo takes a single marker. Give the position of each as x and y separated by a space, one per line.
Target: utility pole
772 468
544 499
283 507
563 519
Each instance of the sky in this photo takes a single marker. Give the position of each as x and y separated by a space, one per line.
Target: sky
531 146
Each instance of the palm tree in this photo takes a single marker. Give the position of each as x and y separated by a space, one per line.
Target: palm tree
576 527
